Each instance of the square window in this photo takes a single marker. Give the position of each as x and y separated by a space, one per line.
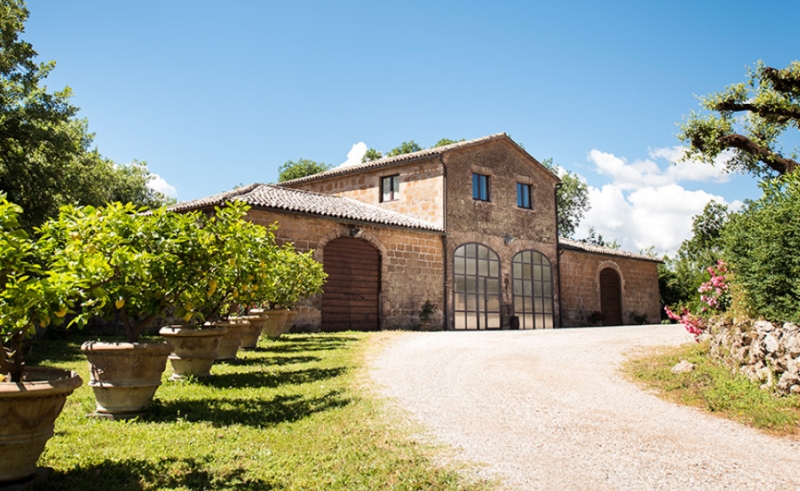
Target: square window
524 196
480 187
390 188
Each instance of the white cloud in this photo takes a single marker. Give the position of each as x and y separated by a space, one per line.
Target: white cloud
158 183
355 154
644 205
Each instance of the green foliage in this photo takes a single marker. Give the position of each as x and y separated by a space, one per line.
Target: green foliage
761 245
405 147
572 199
681 276
428 309
45 161
771 102
31 295
446 141
136 266
300 168
292 415
597 239
371 154
293 276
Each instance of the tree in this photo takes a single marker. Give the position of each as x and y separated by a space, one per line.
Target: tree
371 155
446 141
300 168
45 161
572 198
770 102
596 239
405 147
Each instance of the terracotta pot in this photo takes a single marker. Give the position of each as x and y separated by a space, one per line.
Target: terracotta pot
251 332
125 376
28 411
229 348
274 323
195 349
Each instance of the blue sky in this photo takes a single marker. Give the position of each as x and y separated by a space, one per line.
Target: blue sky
212 94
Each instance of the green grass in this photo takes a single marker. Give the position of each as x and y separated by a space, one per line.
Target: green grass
714 388
296 414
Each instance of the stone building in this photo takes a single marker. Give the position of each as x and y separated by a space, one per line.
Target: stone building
470 227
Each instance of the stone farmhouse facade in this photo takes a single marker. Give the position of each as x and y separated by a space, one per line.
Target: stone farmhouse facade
469 227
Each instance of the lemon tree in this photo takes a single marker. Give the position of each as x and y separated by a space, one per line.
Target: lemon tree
31 295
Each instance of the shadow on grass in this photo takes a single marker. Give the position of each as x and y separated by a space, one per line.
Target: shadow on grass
243 411
307 342
134 474
269 379
271 361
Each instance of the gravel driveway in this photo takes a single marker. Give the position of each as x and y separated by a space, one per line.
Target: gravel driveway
548 410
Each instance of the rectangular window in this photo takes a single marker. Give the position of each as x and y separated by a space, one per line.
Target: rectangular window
480 187
390 188
524 195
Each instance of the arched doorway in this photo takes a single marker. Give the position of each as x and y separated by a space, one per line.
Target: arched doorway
476 292
532 277
610 297
350 299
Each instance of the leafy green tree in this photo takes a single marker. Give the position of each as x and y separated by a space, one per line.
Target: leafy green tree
300 168
45 160
446 141
572 198
372 154
770 102
405 147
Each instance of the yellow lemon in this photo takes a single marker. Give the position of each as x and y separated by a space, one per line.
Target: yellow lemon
91 249
189 307
187 317
62 312
119 303
74 235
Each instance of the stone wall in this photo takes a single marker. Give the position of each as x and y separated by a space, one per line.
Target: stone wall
766 353
411 264
421 189
499 223
580 286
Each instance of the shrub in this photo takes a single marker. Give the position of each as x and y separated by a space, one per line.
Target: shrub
761 244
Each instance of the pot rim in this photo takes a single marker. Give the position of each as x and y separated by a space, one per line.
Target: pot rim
122 346
53 381
184 331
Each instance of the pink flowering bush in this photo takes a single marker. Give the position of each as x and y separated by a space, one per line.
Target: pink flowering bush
715 298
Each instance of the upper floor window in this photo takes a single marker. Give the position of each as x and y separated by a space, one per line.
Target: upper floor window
480 187
524 196
390 188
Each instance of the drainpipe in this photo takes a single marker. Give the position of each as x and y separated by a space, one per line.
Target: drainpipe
445 313
558 252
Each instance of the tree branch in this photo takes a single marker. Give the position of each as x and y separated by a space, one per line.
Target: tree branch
777 163
782 80
783 113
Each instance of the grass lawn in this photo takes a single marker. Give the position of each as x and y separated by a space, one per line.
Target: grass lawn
714 388
293 414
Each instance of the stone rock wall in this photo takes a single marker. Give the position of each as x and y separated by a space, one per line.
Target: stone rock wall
765 352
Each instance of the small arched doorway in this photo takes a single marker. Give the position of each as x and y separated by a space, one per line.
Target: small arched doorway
610 297
350 298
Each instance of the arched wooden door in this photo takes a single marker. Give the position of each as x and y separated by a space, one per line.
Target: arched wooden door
350 300
611 297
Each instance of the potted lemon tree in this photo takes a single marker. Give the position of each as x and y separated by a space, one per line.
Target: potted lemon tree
241 251
31 398
294 276
137 266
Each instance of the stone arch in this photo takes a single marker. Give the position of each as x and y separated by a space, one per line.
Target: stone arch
351 298
608 300
533 293
476 287
354 233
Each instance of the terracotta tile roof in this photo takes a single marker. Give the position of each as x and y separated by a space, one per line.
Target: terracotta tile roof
582 246
397 159
295 200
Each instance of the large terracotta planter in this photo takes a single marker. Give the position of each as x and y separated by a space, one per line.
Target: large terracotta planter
194 350
28 411
251 331
125 376
277 322
229 348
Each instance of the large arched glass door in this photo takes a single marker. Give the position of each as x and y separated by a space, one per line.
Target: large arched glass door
476 281
533 290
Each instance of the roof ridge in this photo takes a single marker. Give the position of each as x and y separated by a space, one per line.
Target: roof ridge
586 247
403 157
